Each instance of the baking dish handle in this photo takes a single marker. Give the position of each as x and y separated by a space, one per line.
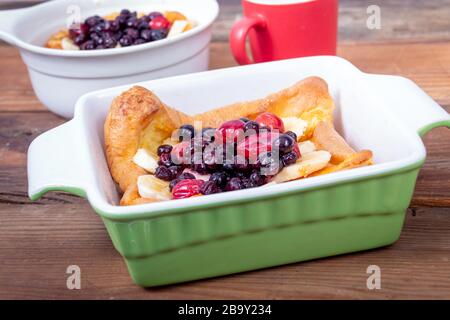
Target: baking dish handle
55 163
412 105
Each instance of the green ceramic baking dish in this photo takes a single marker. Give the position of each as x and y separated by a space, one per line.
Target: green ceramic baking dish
181 240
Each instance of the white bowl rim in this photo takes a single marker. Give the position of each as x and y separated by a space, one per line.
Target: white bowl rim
116 51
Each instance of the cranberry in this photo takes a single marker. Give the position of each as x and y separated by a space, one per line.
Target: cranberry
253 145
234 184
78 29
284 144
293 135
230 131
289 158
159 22
164 173
271 121
165 148
186 188
209 187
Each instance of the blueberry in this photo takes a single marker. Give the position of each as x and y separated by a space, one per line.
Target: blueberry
257 179
200 168
139 41
209 187
220 178
100 46
110 42
93 21
165 148
234 184
158 34
283 143
115 26
79 39
229 167
251 125
289 158
125 12
176 170
291 134
132 22
165 160
118 35
186 175
186 132
244 119
97 39
173 183
146 35
88 45
164 173
133 33
126 41
269 164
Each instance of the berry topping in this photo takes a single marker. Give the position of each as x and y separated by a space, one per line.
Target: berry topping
284 144
159 22
209 187
186 132
186 188
251 125
164 173
230 131
220 178
271 121
293 135
234 184
289 158
165 148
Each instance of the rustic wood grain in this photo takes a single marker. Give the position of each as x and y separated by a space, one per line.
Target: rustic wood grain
38 240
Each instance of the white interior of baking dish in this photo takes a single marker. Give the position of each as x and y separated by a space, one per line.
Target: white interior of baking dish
360 116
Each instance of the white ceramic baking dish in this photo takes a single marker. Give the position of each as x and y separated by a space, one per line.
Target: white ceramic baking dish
60 77
200 237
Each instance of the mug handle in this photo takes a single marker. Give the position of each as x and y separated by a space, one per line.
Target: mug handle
238 36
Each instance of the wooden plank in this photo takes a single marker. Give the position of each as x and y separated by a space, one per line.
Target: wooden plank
427 64
39 242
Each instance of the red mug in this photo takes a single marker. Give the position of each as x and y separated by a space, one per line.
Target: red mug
285 29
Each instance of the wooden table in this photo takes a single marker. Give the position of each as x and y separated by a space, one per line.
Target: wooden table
38 240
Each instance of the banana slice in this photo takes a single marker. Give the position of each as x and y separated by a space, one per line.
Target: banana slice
308 164
306 147
296 125
144 160
68 44
153 188
178 27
